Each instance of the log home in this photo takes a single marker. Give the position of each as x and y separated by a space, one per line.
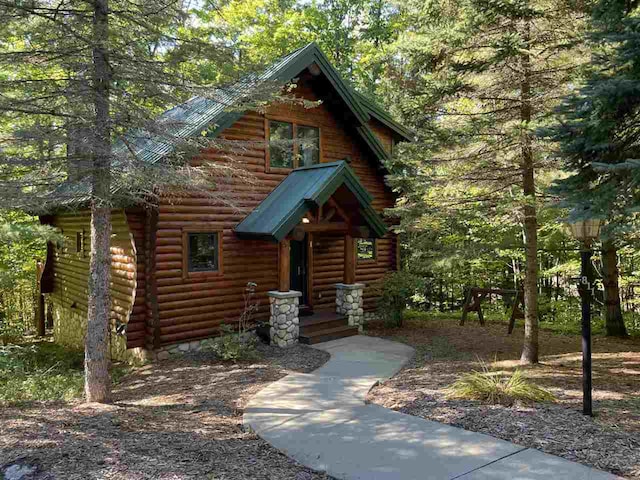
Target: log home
309 230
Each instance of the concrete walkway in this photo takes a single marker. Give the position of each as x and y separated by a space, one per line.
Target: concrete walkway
320 419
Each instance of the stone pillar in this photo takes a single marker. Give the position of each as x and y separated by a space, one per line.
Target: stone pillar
349 302
284 317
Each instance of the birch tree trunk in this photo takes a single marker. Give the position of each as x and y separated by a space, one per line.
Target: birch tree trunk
530 347
614 322
97 379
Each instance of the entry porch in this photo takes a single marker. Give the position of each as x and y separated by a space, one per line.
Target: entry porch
322 200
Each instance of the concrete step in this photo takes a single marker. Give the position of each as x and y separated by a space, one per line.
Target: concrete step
328 334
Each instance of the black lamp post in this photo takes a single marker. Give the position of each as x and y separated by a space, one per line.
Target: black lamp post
586 231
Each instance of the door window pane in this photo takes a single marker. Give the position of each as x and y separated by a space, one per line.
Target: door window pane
281 144
308 145
203 252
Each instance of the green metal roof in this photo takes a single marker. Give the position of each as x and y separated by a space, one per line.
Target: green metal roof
199 113
216 113
303 189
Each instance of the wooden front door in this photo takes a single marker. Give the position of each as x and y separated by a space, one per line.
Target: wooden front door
299 270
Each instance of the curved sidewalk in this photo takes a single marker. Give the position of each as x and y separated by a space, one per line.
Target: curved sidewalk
320 420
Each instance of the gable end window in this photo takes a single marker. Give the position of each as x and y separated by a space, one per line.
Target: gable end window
291 145
202 252
366 249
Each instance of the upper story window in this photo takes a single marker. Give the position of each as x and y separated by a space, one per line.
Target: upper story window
281 144
292 145
308 142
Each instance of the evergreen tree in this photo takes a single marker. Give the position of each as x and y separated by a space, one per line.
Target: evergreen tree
477 78
597 129
599 134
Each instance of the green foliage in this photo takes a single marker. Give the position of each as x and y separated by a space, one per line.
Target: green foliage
40 372
495 387
232 346
22 244
44 371
355 34
596 125
397 291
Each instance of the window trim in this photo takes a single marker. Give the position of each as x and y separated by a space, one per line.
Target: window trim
295 123
375 251
186 274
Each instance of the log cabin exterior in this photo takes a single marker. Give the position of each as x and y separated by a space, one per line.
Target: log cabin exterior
307 229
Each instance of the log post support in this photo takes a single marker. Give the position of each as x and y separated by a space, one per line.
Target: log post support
284 265
349 260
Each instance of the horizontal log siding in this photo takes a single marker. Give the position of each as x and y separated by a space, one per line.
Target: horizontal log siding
71 269
194 307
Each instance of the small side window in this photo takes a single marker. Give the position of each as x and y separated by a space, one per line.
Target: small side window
366 248
203 251
79 242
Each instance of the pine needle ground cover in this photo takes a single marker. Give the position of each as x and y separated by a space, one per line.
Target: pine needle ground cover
447 353
177 419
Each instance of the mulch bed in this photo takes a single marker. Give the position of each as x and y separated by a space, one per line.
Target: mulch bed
178 419
444 350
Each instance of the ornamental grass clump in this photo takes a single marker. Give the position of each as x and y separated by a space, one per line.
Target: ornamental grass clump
496 387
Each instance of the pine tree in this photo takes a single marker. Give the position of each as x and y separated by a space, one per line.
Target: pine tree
597 129
478 77
598 136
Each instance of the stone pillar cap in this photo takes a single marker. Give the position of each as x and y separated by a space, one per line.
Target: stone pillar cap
289 294
350 286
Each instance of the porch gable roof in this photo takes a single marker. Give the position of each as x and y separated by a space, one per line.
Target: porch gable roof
303 189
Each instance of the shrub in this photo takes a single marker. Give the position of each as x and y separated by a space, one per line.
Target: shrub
232 346
396 292
237 344
493 387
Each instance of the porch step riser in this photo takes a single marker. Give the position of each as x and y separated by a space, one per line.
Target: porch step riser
316 327
327 337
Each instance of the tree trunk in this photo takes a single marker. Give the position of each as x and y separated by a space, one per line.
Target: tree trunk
97 379
530 347
614 323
